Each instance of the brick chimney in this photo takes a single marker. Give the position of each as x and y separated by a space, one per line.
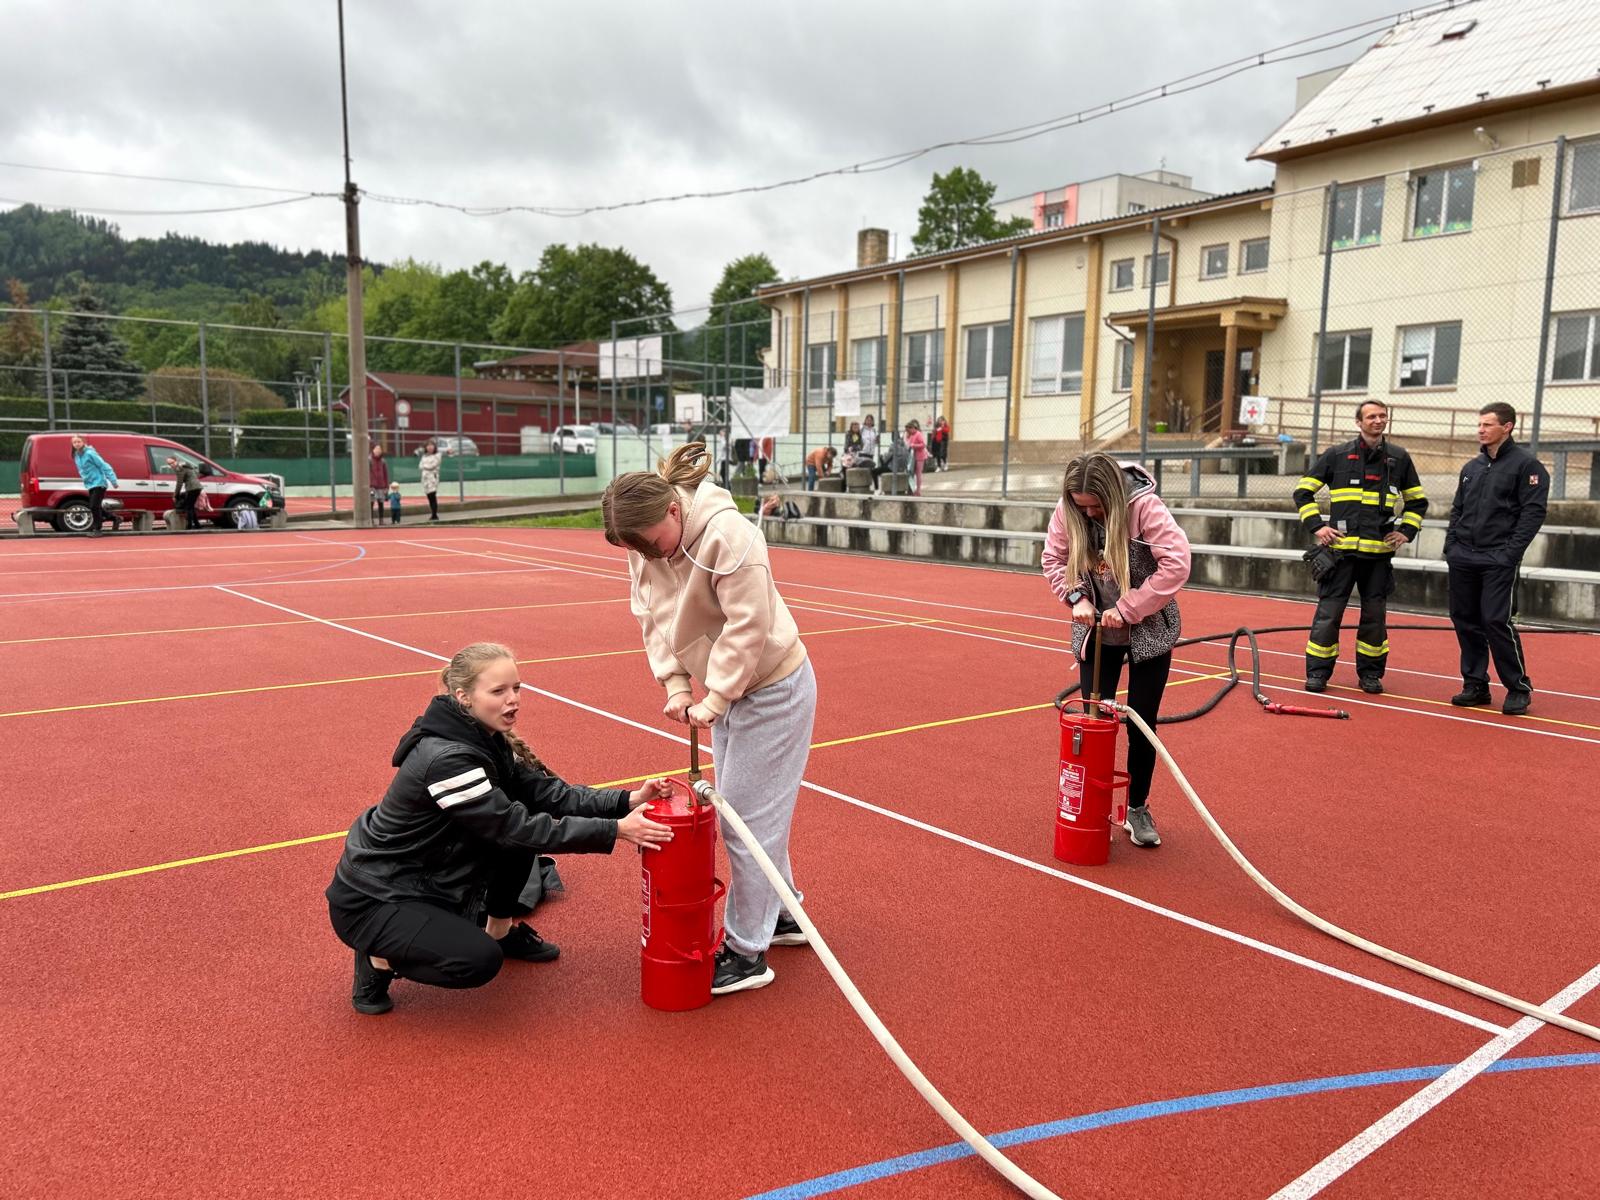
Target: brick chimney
872 247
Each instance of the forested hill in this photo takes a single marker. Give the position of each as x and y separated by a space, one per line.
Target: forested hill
52 253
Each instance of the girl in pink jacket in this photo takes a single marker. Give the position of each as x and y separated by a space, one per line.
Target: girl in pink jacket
1115 555
918 445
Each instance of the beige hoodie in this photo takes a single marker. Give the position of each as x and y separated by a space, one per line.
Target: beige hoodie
713 613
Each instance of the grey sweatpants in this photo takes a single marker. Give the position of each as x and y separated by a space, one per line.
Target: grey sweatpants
761 745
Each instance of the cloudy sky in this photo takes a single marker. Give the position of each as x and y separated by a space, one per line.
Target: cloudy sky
513 101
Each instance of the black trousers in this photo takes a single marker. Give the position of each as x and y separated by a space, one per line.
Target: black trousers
1373 575
433 504
97 497
427 942
1483 599
185 504
1146 682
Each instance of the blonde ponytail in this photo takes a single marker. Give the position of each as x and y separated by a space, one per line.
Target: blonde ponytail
686 466
635 501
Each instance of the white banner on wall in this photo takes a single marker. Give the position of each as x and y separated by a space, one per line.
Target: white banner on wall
847 398
630 358
760 412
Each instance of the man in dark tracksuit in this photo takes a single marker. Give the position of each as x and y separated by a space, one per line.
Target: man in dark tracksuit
1364 477
1499 507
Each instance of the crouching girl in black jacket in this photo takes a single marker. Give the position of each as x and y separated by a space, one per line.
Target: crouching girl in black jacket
460 828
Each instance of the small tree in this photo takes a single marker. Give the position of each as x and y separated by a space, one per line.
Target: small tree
21 346
576 294
92 359
957 211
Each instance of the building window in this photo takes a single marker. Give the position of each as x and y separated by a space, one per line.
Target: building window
1253 255
1358 214
1122 367
1057 362
1135 207
822 364
1163 268
1576 354
988 369
1583 194
867 364
1213 262
1054 218
924 367
1443 201
1122 275
1429 355
1343 364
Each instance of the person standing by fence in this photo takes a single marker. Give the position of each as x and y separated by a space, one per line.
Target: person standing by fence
939 440
918 445
1499 506
428 469
97 476
378 484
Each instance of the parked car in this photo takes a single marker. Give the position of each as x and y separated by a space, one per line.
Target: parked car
573 439
144 481
451 444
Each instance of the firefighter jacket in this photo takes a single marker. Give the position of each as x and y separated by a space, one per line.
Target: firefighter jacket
1371 493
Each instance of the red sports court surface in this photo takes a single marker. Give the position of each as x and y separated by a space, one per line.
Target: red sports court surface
191 725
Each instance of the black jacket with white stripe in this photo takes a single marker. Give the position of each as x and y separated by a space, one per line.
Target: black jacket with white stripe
459 792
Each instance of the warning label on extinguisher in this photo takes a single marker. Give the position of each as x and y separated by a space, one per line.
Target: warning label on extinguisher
644 895
1072 776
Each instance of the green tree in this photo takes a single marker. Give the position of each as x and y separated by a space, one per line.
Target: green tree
575 294
21 347
734 307
93 360
957 212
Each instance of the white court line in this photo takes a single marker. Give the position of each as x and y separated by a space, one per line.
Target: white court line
201 587
1387 1127
1054 620
218 566
1099 889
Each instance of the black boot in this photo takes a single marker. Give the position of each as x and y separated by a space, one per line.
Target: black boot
370 993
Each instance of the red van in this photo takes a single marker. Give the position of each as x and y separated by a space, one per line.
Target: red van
144 481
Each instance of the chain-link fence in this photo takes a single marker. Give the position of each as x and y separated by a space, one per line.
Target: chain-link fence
1229 339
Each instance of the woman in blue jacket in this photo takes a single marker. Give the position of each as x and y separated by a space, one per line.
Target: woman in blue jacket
97 475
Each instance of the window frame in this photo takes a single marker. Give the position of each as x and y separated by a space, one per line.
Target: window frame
872 390
1058 381
1205 265
1244 255
1346 384
1586 147
1123 350
1589 373
821 394
929 389
989 386
1359 189
1431 384
1415 231
1132 283
1164 255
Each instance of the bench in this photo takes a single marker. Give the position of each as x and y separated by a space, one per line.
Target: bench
28 519
858 479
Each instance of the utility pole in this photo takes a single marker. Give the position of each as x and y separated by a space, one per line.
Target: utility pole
360 452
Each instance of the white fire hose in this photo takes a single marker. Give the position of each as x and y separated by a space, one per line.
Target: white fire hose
1015 1175
1327 927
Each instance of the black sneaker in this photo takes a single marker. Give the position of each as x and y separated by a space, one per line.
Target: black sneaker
1141 827
1371 685
788 932
736 973
370 994
1317 683
523 944
1516 703
1470 697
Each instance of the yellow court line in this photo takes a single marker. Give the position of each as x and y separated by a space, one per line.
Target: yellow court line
438 612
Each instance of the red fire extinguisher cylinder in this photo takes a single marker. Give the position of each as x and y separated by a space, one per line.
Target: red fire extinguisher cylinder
679 892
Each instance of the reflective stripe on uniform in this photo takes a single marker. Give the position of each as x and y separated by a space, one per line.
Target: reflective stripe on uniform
1411 519
1340 494
1310 483
1413 493
1317 651
1370 650
1308 510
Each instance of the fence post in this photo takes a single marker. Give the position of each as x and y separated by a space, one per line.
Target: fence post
327 397
49 374
1150 346
805 391
1013 370
1549 295
1322 320
461 478
561 419
205 398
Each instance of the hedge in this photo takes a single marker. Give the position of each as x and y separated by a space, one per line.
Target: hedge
300 427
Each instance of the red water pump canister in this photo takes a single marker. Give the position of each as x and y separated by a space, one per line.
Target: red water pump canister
679 890
1087 789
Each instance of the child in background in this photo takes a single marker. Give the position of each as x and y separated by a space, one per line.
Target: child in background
394 503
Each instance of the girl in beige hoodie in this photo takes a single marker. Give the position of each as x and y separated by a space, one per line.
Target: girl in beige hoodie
703 593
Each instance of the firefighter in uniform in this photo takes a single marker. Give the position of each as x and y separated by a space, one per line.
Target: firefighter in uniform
1364 477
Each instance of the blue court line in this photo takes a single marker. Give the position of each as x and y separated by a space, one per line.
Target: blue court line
825 1185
